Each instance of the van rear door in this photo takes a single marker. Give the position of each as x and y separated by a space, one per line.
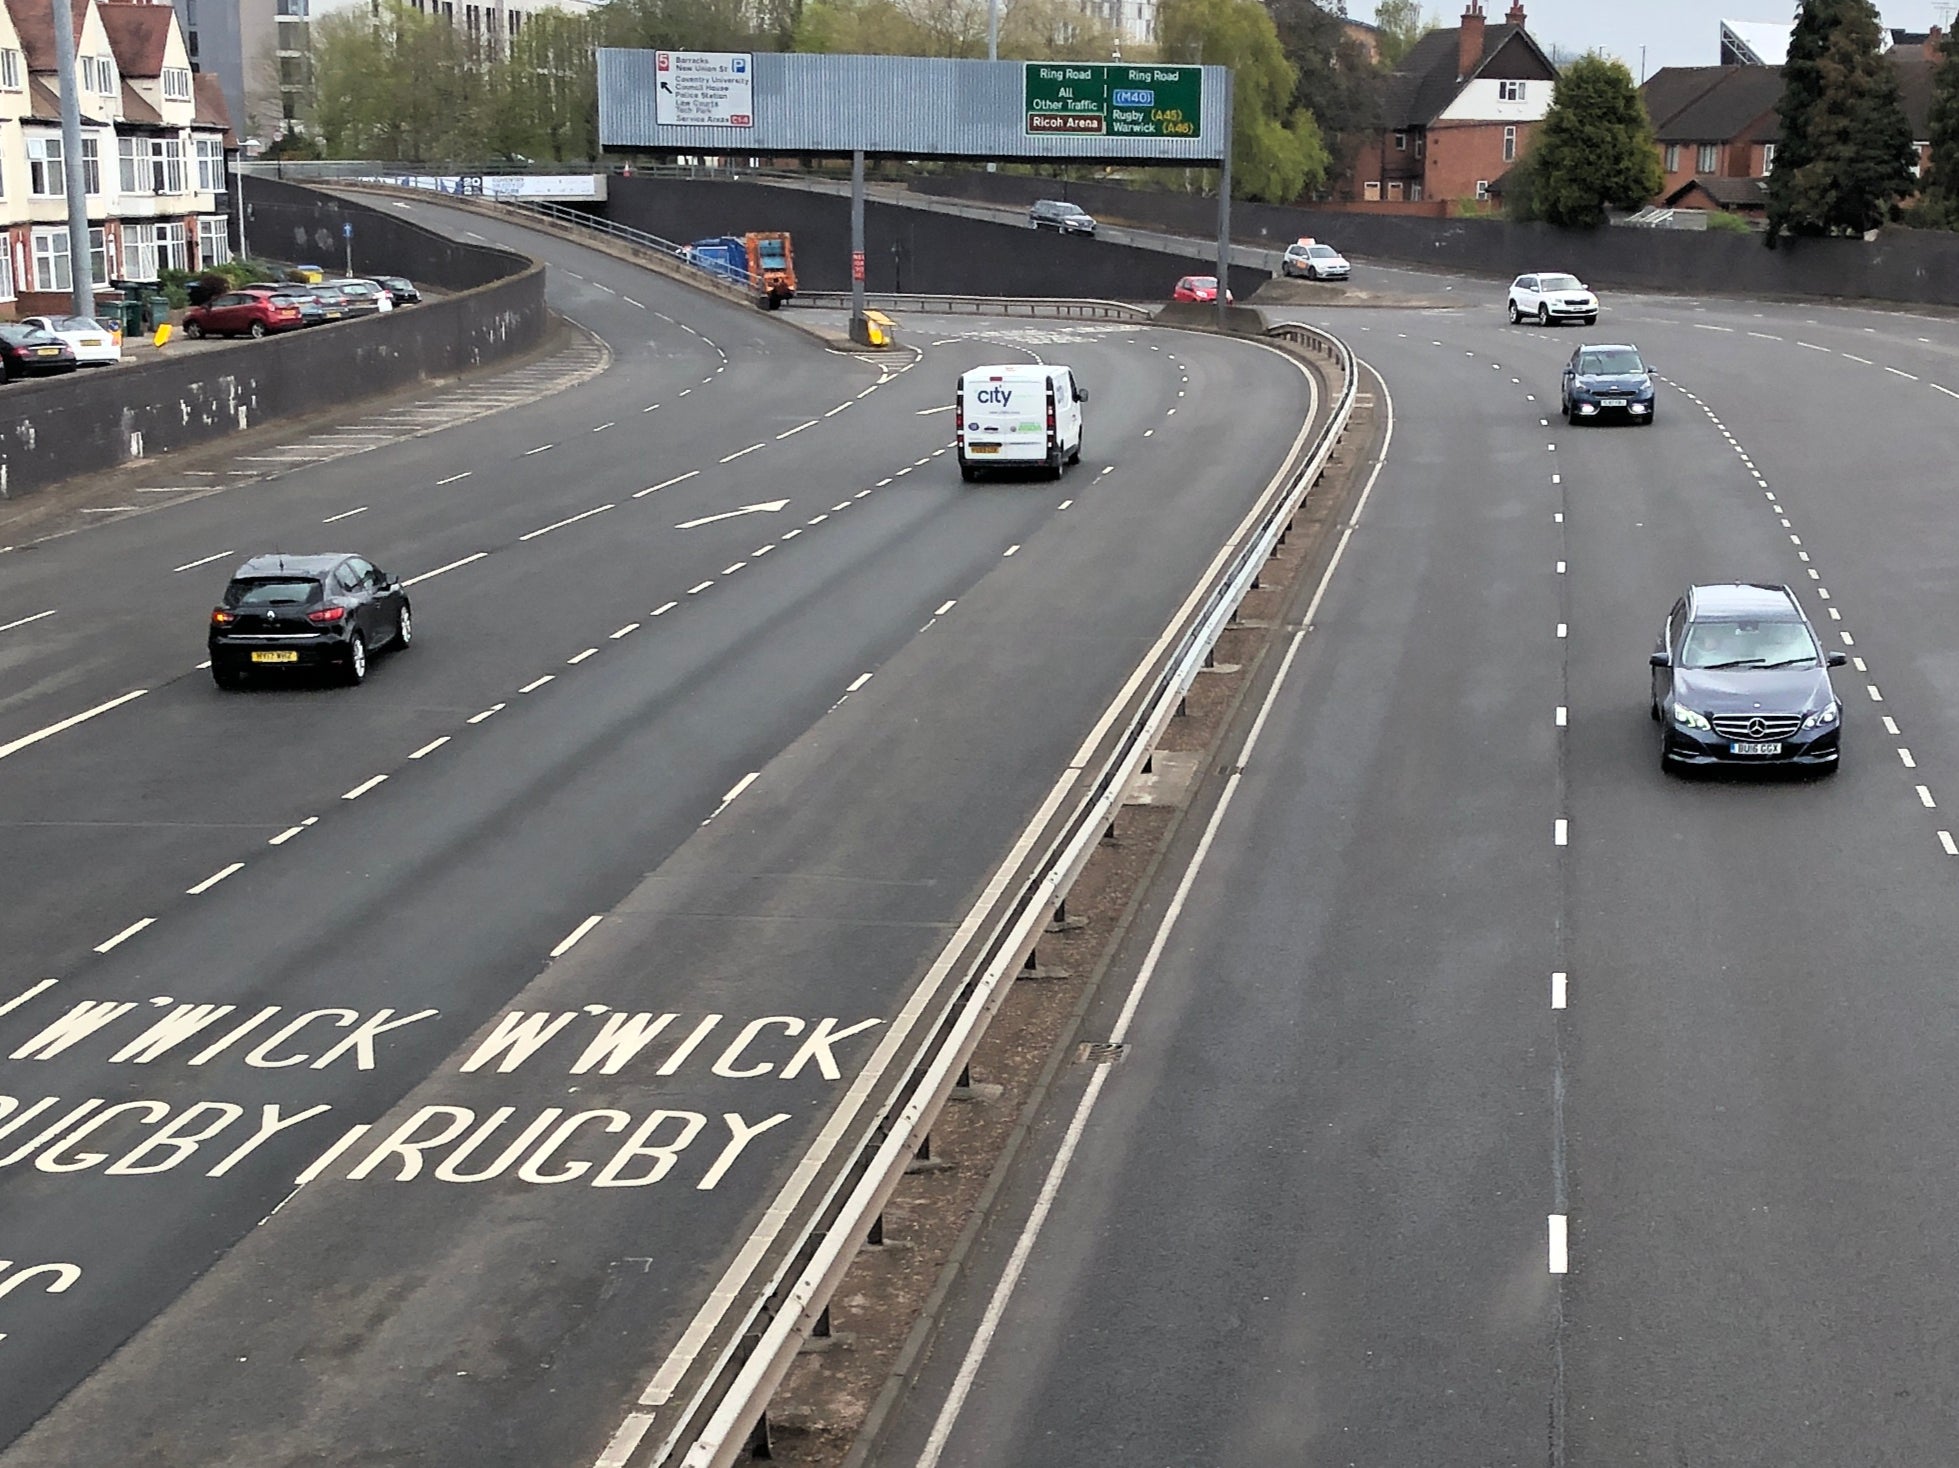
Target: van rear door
1003 416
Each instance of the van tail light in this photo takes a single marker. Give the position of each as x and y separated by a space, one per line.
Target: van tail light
222 618
959 417
1050 415
322 615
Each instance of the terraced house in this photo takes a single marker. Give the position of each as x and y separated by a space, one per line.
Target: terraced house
154 136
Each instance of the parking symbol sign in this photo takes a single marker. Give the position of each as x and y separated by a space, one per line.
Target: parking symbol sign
739 65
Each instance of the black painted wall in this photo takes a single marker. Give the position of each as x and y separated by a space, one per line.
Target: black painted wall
908 249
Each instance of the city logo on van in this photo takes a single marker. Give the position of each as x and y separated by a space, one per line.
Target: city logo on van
998 397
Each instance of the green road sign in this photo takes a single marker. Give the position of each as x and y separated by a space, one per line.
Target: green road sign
1113 101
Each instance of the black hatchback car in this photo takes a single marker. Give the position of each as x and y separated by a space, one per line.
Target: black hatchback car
286 613
1607 382
1740 678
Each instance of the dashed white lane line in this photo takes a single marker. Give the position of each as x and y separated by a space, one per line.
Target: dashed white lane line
1946 390
738 453
430 748
946 608
454 477
860 494
537 683
697 590
1560 1256
1876 697
1925 798
1945 840
205 561
1560 832
601 428
640 494
125 935
625 631
760 551
792 534
1765 336
439 570
1562 630
570 940
568 520
1559 984
650 408
344 515
1563 716
540 449
27 740
23 621
211 881
1890 725
1064 504
730 570
797 429
1896 372
291 831
663 609
631 302
859 683
1561 568
836 410
479 718
1853 357
1010 550
590 652
1812 346
366 785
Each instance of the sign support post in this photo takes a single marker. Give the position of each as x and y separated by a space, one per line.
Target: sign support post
859 327
1224 202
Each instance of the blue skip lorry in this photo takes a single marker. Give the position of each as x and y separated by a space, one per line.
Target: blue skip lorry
763 264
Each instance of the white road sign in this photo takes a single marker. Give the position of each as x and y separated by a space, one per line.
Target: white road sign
705 89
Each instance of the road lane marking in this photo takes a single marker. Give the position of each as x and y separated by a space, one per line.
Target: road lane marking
663 609
211 881
664 483
797 429
1560 1256
1812 346
623 631
344 515
697 590
479 718
540 449
1906 375
946 608
836 410
23 621
560 524
570 940
575 661
27 740
1890 725
361 789
537 683
1560 832
1876 697
1925 798
430 748
821 518
858 684
1562 631
1853 357
1563 715
738 453
1064 504
291 831
1010 550
1558 987
125 935
603 426
1946 390
729 799
193 565
430 575
1945 840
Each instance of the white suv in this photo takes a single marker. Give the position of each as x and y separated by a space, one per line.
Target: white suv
1314 261
1548 298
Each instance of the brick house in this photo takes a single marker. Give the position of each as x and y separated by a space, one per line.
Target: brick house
153 150
1717 128
1454 117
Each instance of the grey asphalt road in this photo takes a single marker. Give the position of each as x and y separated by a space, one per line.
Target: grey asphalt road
542 958
1314 1216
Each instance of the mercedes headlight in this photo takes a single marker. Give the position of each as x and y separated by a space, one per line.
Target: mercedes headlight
1687 718
1823 717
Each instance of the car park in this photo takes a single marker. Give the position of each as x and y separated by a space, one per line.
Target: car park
1060 215
93 343
1739 678
27 351
339 304
1607 381
1551 297
1021 415
1311 260
243 313
401 288
296 613
312 310
1199 288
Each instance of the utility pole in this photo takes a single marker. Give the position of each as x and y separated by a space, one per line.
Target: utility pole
82 301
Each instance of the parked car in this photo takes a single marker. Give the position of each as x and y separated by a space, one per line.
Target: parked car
1199 288
1314 261
339 305
28 351
401 288
364 291
1607 379
243 313
286 613
93 343
1548 298
312 310
1059 214
1740 678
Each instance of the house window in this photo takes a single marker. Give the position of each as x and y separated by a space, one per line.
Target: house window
1708 159
176 84
1482 190
45 177
1673 158
1768 159
170 251
166 165
51 269
139 251
1510 145
213 240
99 267
133 157
91 166
210 165
1421 145
100 74
10 79
6 275
1414 193
1510 91
1394 188
1371 191
1401 142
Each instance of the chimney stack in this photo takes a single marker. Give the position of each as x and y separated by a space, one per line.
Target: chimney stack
1516 16
1469 39
1932 40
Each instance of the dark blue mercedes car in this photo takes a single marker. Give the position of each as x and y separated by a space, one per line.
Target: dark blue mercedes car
1607 382
1740 678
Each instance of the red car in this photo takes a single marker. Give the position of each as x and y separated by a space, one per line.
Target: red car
242 313
1199 288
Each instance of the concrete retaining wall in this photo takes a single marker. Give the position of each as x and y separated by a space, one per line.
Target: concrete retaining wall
910 250
53 429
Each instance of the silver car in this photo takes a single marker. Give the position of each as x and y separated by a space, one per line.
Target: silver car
1312 260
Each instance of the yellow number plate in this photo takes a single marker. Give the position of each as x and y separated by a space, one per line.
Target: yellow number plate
983 448
284 655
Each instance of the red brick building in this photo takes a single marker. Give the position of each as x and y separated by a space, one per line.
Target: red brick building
1455 116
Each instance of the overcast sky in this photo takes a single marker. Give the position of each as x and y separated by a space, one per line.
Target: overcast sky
1674 32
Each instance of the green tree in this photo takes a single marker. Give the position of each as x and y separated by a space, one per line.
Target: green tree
396 84
1845 156
1940 205
1276 149
1401 24
1335 81
1593 151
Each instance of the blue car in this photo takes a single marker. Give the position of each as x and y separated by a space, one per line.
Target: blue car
1607 381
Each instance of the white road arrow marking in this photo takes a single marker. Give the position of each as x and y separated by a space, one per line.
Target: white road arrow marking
767 507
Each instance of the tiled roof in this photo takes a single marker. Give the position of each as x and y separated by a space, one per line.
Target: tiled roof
1741 192
44 104
34 20
138 35
1723 111
136 110
1426 82
1671 89
211 108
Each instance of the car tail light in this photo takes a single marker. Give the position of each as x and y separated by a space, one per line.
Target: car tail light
221 618
326 614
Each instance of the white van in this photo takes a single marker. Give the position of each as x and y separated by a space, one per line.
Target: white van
1024 414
